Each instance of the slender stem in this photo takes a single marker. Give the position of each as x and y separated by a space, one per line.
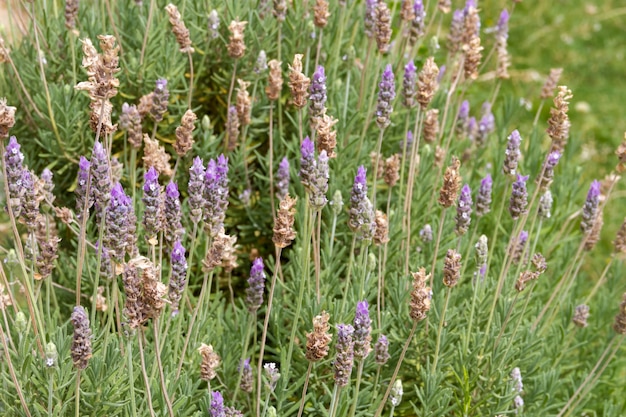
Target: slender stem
190 80
157 352
375 173
318 262
370 44
50 394
16 382
319 47
538 113
131 378
306 385
145 374
77 395
442 219
271 161
347 281
441 320
232 84
600 281
244 352
408 199
147 32
264 335
334 400
355 401
395 372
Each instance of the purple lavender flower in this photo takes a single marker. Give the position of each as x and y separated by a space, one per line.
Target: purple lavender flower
442 73
370 17
361 219
455 35
486 125
590 209
213 21
261 63
545 206
472 129
519 197
317 93
464 210
345 354
307 163
362 330
502 28
256 286
520 246
29 202
173 214
196 190
407 143
13 159
426 234
81 342
512 153
116 223
217 405
153 205
282 178
548 170
386 94
48 185
381 350
408 85
160 99
463 119
319 184
178 276
100 187
419 21
483 200
246 384
216 194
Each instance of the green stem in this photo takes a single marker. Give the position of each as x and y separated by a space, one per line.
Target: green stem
244 352
77 395
131 378
441 320
355 401
306 385
146 380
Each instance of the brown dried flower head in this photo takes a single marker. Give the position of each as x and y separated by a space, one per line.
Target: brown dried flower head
539 262
7 118
451 268
444 6
326 135
581 314
440 156
378 164
48 253
321 13
229 256
620 319
391 173
71 12
223 245
298 82
451 184
420 296
284 233
473 55
64 214
210 362
553 79
243 104
155 156
559 124
184 133
318 341
621 155
153 291
381 235
524 278
427 82
5 298
101 301
275 82
594 235
4 52
407 12
431 125
383 27
179 29
236 46
280 10
620 239
145 104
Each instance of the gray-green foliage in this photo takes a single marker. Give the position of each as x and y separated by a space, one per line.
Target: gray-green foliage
472 376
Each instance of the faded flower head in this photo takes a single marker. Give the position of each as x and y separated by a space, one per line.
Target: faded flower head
519 197
210 362
81 342
236 46
581 314
344 360
381 350
420 296
179 29
7 118
451 184
362 330
284 233
361 219
256 286
386 95
318 341
590 209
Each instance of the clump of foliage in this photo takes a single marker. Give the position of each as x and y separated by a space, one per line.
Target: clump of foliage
296 208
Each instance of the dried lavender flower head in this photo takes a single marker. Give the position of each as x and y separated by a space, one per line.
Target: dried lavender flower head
519 197
179 29
581 314
381 350
317 94
318 340
81 343
308 165
512 153
344 360
160 99
7 117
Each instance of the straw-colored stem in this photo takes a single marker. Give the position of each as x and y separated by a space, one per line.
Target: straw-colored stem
16 382
232 85
77 395
348 275
408 198
319 47
146 33
440 329
395 371
265 326
271 162
317 257
600 281
157 352
146 380
334 401
355 400
131 378
370 44
304 389
244 352
190 80
375 170
442 219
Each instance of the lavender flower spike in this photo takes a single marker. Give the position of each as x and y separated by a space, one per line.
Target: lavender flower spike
178 277
512 153
362 330
548 170
217 405
345 354
386 94
81 342
282 178
13 159
196 189
463 119
317 93
160 98
381 350
409 84
361 219
29 203
519 197
256 282
173 214
370 17
117 225
216 194
486 125
590 209
153 205
319 186
464 210
483 200
502 28
418 23
307 163
100 187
